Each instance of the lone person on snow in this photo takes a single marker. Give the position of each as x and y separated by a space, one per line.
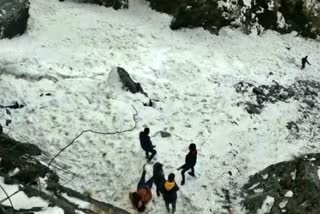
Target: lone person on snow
146 144
143 195
170 193
304 60
190 162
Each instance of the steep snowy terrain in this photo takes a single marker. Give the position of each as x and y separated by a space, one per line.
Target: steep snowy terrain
70 49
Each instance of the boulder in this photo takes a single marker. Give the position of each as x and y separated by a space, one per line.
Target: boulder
128 83
165 134
294 185
283 16
14 16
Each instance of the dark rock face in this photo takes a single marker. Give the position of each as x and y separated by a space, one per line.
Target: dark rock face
192 13
294 185
14 16
283 16
297 16
128 82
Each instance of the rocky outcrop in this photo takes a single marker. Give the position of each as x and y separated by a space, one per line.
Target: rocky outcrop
291 187
14 16
287 15
283 16
19 166
304 91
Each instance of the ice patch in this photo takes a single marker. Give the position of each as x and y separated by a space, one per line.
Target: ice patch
266 206
289 194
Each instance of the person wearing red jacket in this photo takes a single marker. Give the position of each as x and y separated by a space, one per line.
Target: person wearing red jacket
141 197
190 162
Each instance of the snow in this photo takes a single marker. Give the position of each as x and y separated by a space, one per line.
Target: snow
283 203
266 206
51 210
81 204
289 194
70 51
19 200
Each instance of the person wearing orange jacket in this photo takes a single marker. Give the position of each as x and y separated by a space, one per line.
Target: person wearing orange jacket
141 197
170 190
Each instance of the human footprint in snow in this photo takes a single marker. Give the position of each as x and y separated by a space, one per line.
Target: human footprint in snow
141 197
190 162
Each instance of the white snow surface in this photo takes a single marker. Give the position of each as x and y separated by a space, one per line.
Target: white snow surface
69 51
20 200
266 206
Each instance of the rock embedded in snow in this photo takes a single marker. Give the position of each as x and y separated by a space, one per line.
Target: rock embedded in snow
14 16
128 82
165 134
306 187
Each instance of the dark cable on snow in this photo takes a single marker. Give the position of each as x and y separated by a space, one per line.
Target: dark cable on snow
97 132
5 192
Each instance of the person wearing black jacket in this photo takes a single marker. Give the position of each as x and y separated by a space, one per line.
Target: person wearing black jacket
190 162
158 177
146 144
304 60
170 190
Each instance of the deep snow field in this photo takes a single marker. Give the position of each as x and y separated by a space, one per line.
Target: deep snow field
69 50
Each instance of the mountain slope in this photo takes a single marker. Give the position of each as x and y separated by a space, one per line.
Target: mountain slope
70 49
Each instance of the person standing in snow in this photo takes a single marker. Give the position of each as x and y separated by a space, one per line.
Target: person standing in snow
158 177
146 144
143 195
170 190
190 162
304 60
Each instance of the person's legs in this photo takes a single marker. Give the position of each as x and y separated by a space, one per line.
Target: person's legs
142 180
174 206
192 172
153 153
167 206
186 168
147 154
149 183
158 191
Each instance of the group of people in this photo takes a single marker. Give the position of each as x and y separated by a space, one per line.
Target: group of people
168 188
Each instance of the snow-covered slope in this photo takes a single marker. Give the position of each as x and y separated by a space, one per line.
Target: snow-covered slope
69 51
